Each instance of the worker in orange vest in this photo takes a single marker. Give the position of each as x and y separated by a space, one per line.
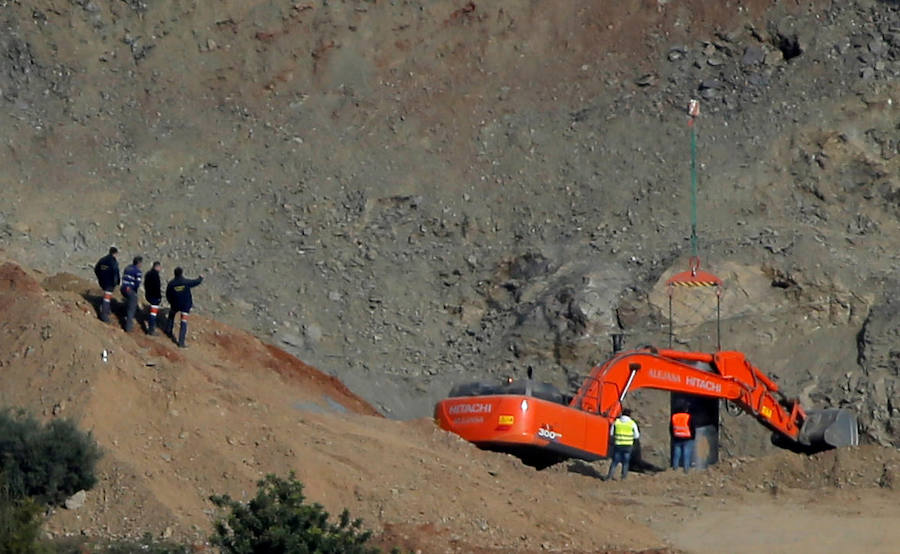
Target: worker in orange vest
683 432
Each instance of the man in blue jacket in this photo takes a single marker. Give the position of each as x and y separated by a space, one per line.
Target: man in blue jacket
107 272
178 294
131 282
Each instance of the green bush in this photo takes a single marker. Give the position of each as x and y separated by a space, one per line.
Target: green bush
20 526
47 462
277 521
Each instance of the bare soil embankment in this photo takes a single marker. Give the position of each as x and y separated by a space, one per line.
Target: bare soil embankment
178 425
413 194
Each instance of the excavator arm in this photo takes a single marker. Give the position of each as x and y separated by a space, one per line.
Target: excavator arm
725 374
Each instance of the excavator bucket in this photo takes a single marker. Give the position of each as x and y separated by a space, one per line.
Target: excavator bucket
833 428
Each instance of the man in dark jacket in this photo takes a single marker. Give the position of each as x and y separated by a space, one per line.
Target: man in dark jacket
131 282
178 294
153 293
107 272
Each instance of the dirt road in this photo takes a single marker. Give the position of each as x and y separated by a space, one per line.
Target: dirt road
808 521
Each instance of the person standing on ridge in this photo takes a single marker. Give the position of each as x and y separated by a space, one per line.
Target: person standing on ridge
107 272
153 293
131 282
178 294
682 429
624 431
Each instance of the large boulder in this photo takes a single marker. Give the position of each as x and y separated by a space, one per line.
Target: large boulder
879 360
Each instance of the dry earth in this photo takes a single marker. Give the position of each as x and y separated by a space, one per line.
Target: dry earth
178 425
413 194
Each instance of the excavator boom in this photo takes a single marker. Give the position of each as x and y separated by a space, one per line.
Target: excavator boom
534 418
726 375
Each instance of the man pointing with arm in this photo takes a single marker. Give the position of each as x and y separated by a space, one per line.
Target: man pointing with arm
178 294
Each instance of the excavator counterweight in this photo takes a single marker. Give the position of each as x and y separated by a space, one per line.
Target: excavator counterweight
534 419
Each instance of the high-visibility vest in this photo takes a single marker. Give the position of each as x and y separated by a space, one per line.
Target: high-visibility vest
681 427
623 432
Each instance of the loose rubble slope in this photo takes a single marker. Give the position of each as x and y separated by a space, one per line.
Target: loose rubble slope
413 194
177 425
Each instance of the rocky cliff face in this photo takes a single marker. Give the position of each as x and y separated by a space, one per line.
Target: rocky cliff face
420 193
874 391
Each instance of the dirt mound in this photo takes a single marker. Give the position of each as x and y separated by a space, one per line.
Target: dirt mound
414 194
865 466
177 425
354 178
14 280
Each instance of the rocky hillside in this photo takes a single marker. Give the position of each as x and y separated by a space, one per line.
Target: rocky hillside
176 425
179 425
412 194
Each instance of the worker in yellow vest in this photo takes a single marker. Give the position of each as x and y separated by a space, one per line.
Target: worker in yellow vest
682 429
624 431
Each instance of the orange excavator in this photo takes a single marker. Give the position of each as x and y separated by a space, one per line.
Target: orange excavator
541 425
536 422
